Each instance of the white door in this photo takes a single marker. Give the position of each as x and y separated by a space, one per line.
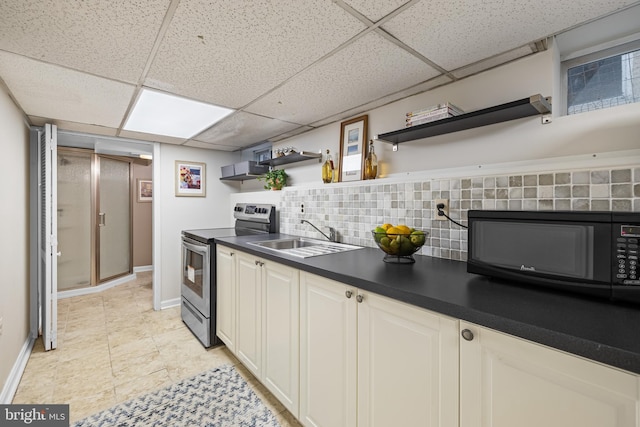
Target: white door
48 240
407 365
328 352
280 336
507 381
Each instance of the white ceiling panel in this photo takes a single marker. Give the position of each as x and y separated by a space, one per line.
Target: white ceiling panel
242 129
239 50
455 33
376 10
150 137
208 146
367 69
494 61
108 38
73 126
47 90
298 131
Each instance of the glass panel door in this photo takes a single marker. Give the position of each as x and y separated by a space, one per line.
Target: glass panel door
74 219
114 218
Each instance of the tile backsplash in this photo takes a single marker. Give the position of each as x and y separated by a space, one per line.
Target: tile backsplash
355 210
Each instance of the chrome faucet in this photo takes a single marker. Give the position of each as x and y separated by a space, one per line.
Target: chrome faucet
332 231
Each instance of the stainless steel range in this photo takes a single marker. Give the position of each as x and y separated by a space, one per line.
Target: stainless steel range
198 287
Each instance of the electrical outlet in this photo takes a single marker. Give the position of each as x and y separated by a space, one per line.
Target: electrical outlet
444 202
302 208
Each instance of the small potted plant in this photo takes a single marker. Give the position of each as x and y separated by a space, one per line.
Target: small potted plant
275 179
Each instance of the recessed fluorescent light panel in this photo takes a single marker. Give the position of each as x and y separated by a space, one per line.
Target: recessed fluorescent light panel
162 114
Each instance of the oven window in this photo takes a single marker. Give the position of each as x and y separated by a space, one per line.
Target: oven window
193 271
557 249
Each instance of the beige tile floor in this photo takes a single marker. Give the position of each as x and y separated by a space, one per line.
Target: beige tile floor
113 346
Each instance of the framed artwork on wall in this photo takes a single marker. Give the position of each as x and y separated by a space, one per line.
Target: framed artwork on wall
190 179
353 139
145 190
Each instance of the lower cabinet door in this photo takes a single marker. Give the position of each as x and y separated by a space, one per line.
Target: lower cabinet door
506 381
327 352
249 312
281 333
407 365
226 297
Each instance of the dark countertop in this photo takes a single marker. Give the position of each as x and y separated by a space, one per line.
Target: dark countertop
595 329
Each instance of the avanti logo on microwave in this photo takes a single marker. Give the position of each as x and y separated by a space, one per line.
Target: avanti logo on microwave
525 268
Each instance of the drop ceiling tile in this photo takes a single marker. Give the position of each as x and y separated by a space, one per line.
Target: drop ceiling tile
298 131
413 90
50 91
375 10
242 129
367 69
73 126
492 62
206 145
151 137
106 38
455 33
229 53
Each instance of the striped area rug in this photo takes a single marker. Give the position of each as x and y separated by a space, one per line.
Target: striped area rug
219 397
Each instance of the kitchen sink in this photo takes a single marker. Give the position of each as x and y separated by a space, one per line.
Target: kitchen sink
303 247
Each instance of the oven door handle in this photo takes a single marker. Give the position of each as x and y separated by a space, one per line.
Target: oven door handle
194 246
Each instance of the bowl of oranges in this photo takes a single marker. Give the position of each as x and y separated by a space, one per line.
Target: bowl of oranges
399 242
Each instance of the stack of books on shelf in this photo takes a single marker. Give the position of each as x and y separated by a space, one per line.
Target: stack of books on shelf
436 112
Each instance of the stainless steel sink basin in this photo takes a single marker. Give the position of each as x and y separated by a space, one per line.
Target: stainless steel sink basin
303 247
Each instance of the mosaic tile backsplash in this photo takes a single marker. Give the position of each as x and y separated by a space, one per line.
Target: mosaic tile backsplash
354 211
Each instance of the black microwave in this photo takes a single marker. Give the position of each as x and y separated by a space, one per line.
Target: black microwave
593 253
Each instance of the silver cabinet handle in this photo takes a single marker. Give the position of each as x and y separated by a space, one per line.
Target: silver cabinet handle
467 334
348 294
359 298
102 219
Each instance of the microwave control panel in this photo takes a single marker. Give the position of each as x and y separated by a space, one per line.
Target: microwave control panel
626 253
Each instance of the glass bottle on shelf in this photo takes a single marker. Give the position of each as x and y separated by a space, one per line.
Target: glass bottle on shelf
327 169
371 163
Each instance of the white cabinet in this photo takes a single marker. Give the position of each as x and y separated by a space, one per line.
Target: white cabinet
506 381
281 332
226 296
328 351
249 312
407 365
368 360
258 319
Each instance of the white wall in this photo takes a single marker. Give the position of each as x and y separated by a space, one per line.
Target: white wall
14 229
183 213
613 129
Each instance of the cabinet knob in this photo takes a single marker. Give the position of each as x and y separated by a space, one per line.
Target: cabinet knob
348 294
467 334
359 298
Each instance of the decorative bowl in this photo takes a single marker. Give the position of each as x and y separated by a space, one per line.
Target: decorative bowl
399 248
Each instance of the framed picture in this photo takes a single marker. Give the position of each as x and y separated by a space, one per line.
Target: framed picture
145 190
353 140
190 179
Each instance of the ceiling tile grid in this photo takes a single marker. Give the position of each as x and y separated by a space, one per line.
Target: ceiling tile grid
375 10
229 53
106 38
367 69
59 93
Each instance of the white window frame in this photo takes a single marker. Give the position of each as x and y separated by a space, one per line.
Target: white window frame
596 54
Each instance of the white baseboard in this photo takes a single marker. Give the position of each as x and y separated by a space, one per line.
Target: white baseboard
96 289
11 385
170 303
142 268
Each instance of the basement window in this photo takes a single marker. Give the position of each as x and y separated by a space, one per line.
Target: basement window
603 79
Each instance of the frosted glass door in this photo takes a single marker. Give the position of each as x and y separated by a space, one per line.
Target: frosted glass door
114 219
74 219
